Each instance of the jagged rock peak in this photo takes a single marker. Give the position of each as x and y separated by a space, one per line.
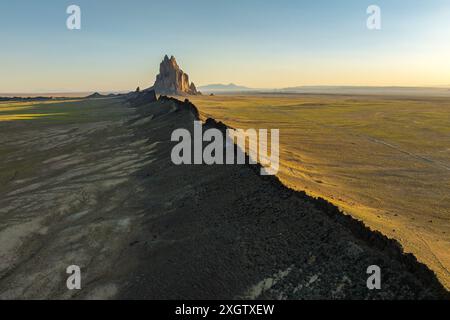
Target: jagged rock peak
171 80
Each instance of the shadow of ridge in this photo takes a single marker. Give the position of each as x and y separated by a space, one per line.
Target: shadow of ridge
374 239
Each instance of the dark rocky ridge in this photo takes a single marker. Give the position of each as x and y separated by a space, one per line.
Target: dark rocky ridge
97 95
408 275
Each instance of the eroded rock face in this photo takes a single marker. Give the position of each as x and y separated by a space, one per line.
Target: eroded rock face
171 80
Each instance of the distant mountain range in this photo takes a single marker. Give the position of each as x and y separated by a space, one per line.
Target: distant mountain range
234 88
388 90
381 90
218 87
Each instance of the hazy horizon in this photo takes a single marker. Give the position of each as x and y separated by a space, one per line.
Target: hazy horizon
257 45
73 93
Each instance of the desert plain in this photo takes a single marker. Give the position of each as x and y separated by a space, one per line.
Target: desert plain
385 160
90 182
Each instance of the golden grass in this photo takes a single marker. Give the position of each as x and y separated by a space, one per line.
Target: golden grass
27 116
384 160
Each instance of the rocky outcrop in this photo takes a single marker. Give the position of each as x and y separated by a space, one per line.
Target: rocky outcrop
171 80
95 95
139 98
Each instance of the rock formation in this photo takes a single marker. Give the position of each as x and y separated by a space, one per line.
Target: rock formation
171 80
139 98
95 95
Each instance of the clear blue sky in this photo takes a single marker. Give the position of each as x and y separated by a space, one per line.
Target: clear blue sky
255 43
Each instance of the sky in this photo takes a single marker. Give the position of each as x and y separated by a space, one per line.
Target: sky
256 43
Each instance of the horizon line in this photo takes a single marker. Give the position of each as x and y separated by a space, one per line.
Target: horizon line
47 92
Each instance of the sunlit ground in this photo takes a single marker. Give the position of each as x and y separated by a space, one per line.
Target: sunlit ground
11 111
384 160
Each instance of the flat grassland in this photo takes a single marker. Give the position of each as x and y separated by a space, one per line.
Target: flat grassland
385 160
